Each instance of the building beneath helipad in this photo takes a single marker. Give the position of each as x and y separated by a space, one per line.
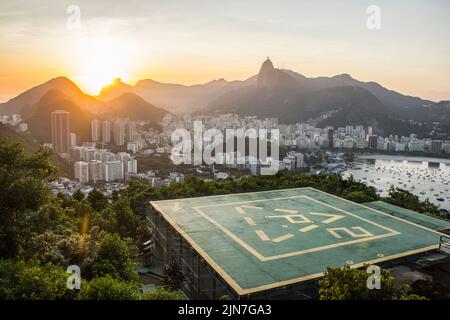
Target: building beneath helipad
277 244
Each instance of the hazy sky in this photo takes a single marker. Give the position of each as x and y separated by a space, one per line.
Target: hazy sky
189 41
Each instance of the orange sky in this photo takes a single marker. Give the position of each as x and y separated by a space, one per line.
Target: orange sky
197 41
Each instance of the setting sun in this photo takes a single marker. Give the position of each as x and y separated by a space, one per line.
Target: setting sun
99 61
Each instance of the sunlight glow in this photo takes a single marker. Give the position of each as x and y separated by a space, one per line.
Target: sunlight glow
99 60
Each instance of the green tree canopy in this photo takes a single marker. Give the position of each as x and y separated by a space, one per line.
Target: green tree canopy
406 199
28 280
97 200
114 257
351 284
23 190
162 294
78 195
108 288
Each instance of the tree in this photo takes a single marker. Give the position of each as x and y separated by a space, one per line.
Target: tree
23 190
119 218
63 248
97 200
406 199
162 294
114 257
126 220
358 196
78 195
114 195
29 280
108 288
351 284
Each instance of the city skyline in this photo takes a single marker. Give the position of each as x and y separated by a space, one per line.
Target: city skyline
238 151
406 54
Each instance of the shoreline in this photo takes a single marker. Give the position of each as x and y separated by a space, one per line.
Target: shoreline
403 157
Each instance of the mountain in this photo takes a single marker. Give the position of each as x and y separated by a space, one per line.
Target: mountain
176 98
407 106
271 78
113 90
24 102
281 93
130 105
281 86
335 101
127 105
39 122
36 104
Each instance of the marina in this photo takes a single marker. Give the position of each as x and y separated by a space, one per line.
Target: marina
424 177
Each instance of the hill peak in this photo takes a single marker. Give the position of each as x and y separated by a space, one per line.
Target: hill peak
62 81
129 96
268 76
266 66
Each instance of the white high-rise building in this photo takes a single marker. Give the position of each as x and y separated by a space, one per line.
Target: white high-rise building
73 139
416 145
132 166
95 171
113 170
82 171
132 130
95 130
124 156
60 128
299 160
119 132
106 132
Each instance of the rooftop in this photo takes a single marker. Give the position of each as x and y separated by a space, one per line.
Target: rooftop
263 240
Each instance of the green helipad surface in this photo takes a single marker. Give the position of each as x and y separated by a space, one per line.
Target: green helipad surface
262 240
405 214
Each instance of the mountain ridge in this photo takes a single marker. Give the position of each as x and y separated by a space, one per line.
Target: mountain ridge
37 103
282 93
181 98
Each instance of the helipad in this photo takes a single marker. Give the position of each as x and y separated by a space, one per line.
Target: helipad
262 240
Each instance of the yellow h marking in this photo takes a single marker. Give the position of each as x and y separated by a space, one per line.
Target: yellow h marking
308 228
364 232
262 235
282 238
250 221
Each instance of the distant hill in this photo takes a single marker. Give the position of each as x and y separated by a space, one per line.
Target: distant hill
115 89
36 104
39 122
272 92
339 100
390 98
175 98
130 105
24 102
286 84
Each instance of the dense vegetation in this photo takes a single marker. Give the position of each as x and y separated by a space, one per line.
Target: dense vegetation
41 235
406 199
352 284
